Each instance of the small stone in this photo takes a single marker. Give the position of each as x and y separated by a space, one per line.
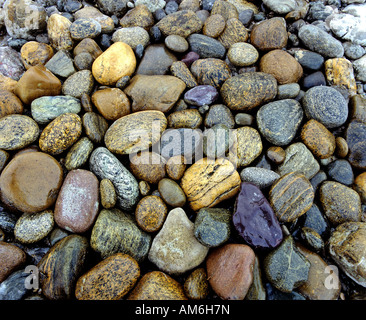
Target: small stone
12 65
315 220
154 92
340 203
58 30
341 171
113 7
260 177
230 270
88 45
36 82
189 118
62 265
122 137
234 32
12 258
279 121
201 95
12 288
60 134
196 286
348 240
61 64
105 166
139 16
359 67
95 126
360 186
313 80
33 227
312 239
4 157
205 46
176 43
276 154
217 141
248 90
83 61
157 285
199 178
211 71
219 114
90 12
226 9
214 25
175 167
353 51
48 108
174 249
291 196
124 64
131 36
34 52
115 231
180 70
171 193
309 60
78 83
212 226
110 279
17 131
78 154
282 7
46 176
355 133
85 28
285 267
269 34
242 54
148 166
190 57
150 213
182 23
282 66
108 196
341 150
152 5
339 72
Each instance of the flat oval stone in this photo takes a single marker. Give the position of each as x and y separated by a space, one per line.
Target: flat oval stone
255 220
211 71
33 227
261 177
138 16
105 21
171 193
106 166
108 196
79 154
85 28
12 258
115 231
77 204
205 46
234 32
133 36
148 166
340 170
157 285
249 90
58 31
188 118
9 103
340 203
61 64
95 126
326 105
110 279
196 286
30 182
150 213
48 108
124 64
208 182
17 131
60 134
230 270
242 54
291 196
348 240
134 132
201 95
219 114
175 167
176 43
175 249
62 265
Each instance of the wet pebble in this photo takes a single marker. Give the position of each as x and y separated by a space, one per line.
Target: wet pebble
150 213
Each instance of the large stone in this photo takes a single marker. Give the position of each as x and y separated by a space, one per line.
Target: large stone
58 32
34 52
139 16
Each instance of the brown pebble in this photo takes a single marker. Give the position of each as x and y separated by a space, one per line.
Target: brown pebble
341 149
196 286
108 196
360 186
11 258
214 26
276 154
150 213
144 188
148 166
175 167
34 53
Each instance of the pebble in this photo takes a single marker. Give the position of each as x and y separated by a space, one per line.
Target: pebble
110 279
244 119
77 203
7 221
150 213
115 231
206 47
282 66
348 240
106 166
33 227
196 285
234 32
61 266
58 32
154 92
269 34
36 82
210 71
339 202
108 195
9 103
261 177
282 7
78 83
276 154
201 95
341 150
320 141
152 5
314 79
12 258
354 136
95 126
61 64
124 64
285 267
180 70
33 53
175 167
12 288
46 176
83 61
299 158
359 67
122 137
112 103
219 114
360 186
248 90
242 54
89 12
217 141
212 226
12 65
188 118
214 25
226 9
279 121
230 270
60 134
17 131
140 16
45 109
114 7
341 171
312 239
157 285
199 179
85 28
176 43
175 249
132 36
255 220
171 193
89 46
320 41
4 157
291 196
339 72
309 60
148 166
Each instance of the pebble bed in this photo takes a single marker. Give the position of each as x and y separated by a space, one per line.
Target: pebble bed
182 150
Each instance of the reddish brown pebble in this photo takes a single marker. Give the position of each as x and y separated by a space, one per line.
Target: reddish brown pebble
276 154
341 150
150 213
148 166
9 103
11 258
230 270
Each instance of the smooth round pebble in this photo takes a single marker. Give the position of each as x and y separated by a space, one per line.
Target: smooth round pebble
242 54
